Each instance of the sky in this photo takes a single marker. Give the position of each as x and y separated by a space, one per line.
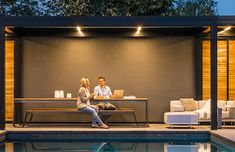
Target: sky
226 7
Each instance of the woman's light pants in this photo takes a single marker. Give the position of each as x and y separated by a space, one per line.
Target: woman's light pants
94 112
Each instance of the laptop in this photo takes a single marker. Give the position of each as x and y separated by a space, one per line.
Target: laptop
118 93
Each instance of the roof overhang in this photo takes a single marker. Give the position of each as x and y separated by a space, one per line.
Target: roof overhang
160 24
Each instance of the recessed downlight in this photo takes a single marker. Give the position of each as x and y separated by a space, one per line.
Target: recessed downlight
79 30
139 28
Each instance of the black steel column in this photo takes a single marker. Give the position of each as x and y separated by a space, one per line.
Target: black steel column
2 78
214 77
198 68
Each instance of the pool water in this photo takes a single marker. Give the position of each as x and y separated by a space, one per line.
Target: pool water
78 146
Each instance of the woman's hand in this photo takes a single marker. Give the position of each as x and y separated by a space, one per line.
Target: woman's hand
93 94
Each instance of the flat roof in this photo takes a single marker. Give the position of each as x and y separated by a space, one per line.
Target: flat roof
117 21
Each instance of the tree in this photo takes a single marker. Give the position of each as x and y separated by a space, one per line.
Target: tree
108 7
19 7
196 8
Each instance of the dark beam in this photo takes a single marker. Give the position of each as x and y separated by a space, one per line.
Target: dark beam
115 21
226 21
213 77
2 78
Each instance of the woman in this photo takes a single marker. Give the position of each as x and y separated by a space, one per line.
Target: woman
83 104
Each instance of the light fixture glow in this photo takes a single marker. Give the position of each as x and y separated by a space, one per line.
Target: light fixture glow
139 28
226 29
79 30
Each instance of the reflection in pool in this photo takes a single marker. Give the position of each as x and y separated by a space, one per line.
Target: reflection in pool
77 146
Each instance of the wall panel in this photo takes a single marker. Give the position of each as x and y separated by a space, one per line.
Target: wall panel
9 80
232 69
222 69
149 67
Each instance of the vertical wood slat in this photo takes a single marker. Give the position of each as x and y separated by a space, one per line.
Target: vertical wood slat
232 70
222 70
9 80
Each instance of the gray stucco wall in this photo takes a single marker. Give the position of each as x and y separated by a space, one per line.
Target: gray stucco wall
159 68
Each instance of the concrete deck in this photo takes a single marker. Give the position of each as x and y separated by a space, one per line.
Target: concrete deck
72 127
224 135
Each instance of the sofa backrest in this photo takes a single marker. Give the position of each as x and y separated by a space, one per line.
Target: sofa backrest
201 103
231 103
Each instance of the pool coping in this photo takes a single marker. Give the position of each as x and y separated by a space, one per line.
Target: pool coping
3 135
222 139
110 135
106 134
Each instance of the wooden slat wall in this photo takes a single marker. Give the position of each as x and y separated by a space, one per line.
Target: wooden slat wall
222 70
205 69
9 80
232 70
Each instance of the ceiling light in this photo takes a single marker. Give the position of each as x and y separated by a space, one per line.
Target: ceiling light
226 29
138 30
79 29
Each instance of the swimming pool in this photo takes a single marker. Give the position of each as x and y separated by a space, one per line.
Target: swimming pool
104 146
104 141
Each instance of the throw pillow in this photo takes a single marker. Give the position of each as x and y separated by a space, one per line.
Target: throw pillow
189 104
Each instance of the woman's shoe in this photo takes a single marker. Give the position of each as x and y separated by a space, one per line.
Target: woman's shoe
94 126
104 126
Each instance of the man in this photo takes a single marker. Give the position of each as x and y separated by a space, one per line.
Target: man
103 91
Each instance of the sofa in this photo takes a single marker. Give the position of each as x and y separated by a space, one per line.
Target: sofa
201 107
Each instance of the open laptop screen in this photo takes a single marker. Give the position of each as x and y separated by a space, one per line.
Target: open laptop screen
118 93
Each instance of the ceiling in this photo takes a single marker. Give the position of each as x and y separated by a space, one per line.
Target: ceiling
102 31
113 31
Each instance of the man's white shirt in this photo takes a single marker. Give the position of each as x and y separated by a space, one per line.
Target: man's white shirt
104 91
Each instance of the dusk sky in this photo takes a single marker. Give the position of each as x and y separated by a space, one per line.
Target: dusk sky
226 7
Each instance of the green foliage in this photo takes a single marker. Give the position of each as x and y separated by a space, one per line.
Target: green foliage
19 7
108 7
196 8
85 7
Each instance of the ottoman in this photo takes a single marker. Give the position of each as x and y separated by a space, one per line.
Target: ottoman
180 118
